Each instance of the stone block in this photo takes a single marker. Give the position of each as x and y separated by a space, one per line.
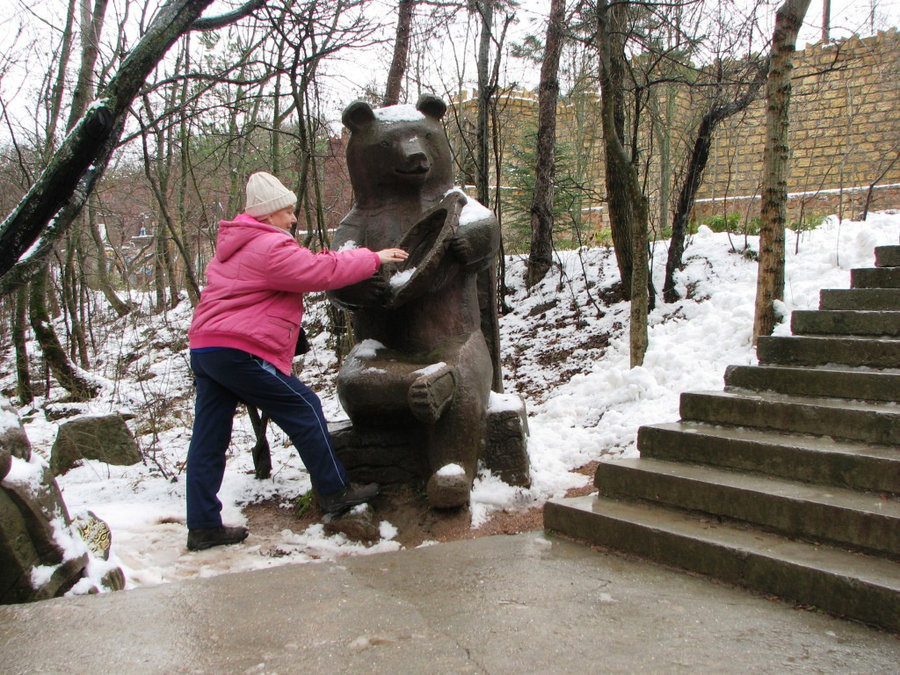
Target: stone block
506 450
385 456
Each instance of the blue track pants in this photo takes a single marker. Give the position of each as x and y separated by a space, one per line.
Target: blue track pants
225 377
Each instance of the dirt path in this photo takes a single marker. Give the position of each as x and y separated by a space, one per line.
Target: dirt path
408 511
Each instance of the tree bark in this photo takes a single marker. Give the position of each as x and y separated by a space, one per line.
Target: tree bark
24 390
540 255
770 278
485 92
69 379
610 21
401 52
628 206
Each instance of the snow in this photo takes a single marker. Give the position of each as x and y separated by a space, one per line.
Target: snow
402 278
368 348
398 113
472 210
565 352
431 369
449 470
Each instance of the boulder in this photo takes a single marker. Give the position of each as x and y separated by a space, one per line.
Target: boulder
12 436
102 437
5 462
358 524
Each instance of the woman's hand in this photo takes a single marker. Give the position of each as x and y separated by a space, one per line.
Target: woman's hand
390 255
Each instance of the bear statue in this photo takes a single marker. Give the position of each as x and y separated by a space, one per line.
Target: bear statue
420 367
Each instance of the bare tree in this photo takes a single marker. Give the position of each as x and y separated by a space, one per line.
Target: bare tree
720 109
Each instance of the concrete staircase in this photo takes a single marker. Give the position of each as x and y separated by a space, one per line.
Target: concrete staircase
788 481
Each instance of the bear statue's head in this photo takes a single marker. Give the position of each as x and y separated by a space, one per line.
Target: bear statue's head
399 151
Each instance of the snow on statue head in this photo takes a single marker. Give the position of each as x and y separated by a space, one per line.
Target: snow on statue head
420 371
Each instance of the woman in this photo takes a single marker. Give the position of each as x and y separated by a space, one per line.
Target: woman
242 342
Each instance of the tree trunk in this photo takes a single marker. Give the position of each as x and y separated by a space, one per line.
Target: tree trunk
120 307
262 455
24 390
640 282
770 278
70 285
485 92
628 206
611 45
68 378
540 255
401 52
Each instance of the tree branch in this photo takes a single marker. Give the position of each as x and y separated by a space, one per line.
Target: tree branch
216 22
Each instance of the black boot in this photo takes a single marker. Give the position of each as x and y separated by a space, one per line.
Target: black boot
199 539
351 495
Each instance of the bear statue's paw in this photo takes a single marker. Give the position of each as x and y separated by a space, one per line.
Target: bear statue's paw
432 392
448 487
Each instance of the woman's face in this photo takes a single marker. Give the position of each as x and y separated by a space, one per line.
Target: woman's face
282 219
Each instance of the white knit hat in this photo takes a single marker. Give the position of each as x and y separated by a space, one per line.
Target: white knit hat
266 195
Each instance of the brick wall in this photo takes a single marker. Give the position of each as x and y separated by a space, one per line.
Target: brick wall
844 135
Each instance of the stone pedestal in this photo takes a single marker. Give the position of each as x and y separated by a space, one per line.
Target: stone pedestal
397 455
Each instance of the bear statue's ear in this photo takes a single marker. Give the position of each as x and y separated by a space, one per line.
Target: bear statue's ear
431 105
357 115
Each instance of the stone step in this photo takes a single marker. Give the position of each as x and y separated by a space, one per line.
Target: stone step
848 584
845 322
875 277
807 458
862 520
887 256
868 422
860 298
808 350
830 382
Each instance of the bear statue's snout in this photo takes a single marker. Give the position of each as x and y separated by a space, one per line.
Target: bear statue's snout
417 164
414 160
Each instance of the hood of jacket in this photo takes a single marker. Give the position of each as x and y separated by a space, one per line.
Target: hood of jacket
237 233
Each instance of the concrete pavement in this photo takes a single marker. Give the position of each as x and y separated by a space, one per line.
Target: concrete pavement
527 603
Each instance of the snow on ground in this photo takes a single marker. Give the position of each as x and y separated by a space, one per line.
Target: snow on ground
565 350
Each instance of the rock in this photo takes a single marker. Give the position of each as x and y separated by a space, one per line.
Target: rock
17 554
12 436
102 437
39 503
95 532
63 578
357 524
448 488
5 462
35 532
114 580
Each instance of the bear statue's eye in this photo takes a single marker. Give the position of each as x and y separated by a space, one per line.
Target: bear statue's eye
385 143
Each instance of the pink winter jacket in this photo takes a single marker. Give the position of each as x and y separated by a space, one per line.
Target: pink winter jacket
253 299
